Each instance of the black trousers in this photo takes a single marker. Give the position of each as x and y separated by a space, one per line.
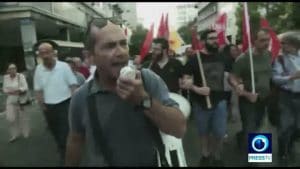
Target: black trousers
289 118
57 119
252 115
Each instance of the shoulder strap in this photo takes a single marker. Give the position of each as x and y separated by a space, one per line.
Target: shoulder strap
281 61
96 127
155 132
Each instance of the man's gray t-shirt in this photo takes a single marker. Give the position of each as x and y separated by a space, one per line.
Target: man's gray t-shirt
109 104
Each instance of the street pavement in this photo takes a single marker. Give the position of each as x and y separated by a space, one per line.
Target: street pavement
39 149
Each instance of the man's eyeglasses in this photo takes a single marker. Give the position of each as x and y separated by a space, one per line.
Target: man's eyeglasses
102 22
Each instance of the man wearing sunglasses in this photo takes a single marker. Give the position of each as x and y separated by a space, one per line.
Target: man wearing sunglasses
114 118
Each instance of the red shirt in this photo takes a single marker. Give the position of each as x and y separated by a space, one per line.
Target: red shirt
85 71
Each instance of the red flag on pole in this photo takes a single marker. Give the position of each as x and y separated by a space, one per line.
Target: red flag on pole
246 26
220 27
245 44
196 44
161 28
167 32
147 43
275 43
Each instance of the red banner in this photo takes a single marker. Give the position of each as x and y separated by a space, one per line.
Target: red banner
220 27
275 43
147 43
161 28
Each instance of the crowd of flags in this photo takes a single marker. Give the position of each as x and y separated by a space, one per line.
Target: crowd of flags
220 26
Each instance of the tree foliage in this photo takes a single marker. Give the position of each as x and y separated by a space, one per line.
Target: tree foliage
137 40
185 32
281 16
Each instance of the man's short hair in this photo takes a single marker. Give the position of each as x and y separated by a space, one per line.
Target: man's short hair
255 31
90 39
292 38
52 43
205 33
164 43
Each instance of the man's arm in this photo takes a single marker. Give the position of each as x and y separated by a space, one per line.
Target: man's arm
279 77
71 79
168 119
38 88
76 137
73 88
188 84
40 99
238 86
74 149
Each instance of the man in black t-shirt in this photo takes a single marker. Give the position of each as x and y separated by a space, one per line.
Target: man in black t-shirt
169 69
211 122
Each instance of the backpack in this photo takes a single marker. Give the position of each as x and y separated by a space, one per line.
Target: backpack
98 135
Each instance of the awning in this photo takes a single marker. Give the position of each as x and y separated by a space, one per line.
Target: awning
68 44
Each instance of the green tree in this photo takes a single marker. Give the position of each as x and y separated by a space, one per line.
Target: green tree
137 40
254 17
185 32
281 16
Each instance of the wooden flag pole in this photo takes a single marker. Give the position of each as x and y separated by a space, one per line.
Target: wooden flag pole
203 78
250 47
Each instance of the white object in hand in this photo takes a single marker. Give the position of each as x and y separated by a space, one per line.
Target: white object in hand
128 72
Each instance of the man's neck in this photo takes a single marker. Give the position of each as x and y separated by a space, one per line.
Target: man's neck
51 65
207 52
105 81
163 61
12 76
257 52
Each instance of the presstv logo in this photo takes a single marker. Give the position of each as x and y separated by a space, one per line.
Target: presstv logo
259 147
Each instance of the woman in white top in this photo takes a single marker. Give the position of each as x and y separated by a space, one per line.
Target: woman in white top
13 85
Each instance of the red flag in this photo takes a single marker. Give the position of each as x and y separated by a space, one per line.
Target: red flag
167 32
196 44
161 28
220 27
275 43
244 32
147 43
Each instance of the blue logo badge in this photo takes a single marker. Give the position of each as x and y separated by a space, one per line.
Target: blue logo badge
260 143
259 147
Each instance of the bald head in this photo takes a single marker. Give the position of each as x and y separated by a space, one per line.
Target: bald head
45 45
47 53
109 49
110 29
94 33
77 61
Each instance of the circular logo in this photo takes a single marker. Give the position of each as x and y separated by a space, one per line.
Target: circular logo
260 143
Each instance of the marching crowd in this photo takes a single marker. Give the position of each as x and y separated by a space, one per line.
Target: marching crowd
113 121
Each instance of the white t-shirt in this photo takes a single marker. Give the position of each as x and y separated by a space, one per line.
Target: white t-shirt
54 83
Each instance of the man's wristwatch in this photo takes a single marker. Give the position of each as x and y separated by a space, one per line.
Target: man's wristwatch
147 102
